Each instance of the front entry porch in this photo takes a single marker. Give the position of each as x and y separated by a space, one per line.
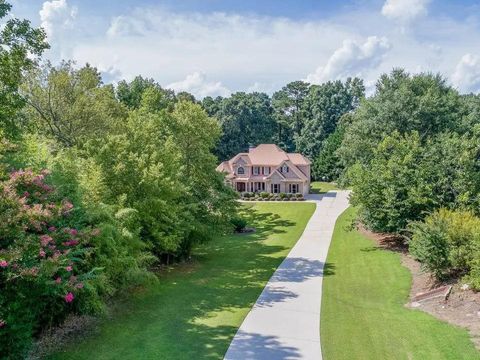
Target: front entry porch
270 187
241 186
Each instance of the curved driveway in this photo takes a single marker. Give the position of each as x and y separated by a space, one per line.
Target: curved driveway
284 323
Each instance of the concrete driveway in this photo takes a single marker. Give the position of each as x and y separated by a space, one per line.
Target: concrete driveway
284 323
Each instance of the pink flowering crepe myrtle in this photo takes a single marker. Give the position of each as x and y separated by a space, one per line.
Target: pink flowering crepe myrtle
69 297
41 211
45 240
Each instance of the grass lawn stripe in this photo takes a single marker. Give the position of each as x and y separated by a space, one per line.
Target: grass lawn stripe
363 314
195 309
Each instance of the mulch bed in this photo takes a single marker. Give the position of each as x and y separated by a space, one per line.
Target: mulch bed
74 328
457 305
246 231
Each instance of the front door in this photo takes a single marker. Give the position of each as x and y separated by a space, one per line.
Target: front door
240 186
293 188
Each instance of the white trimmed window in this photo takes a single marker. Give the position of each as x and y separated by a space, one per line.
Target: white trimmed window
241 171
275 188
293 188
285 169
256 170
266 170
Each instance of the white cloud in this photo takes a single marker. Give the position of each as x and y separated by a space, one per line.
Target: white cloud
238 50
252 52
466 76
128 26
353 58
199 86
57 15
110 73
404 10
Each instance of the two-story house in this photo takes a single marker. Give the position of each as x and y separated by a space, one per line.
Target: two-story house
267 168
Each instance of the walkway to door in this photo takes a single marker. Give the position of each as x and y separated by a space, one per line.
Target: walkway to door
284 323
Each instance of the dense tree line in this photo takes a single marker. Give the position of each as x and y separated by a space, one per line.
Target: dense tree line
97 184
411 154
411 148
299 118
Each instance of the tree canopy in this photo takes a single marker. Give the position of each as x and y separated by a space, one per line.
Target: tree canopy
20 48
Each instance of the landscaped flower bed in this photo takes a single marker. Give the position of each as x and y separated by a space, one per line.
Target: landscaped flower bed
264 196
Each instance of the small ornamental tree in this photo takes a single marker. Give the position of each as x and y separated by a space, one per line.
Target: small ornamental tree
43 276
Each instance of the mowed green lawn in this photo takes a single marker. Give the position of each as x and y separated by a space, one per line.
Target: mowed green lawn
321 187
195 310
363 314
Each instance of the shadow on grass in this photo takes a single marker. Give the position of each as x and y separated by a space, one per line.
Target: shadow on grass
317 191
329 269
178 318
370 249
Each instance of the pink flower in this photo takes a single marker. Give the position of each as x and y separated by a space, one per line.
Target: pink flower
3 264
95 232
26 194
70 243
69 297
45 240
42 253
2 323
32 271
73 232
79 286
67 206
69 268
58 280
52 228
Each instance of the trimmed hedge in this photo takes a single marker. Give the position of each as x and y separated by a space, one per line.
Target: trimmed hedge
264 196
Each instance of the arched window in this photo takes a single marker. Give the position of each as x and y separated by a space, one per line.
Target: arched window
240 171
284 169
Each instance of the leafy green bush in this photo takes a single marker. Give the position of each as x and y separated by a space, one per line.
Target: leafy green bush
238 223
264 195
447 243
429 245
283 196
248 195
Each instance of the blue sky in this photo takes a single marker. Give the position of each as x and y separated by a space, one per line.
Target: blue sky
214 47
